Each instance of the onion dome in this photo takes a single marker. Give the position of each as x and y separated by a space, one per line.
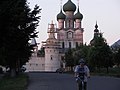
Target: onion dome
61 15
69 6
96 28
78 15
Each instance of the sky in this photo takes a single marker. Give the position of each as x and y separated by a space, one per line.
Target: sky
105 12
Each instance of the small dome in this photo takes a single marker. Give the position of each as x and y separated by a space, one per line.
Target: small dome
69 6
78 15
96 28
61 15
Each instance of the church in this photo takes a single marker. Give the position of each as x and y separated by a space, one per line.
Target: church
68 33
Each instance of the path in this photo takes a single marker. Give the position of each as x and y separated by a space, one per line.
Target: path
55 81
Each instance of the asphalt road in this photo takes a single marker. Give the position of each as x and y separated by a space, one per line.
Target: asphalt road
55 81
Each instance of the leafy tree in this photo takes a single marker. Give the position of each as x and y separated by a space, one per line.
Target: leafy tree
80 52
72 56
117 58
106 54
100 53
92 58
18 25
69 58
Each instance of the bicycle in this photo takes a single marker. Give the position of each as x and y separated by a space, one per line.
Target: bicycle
80 81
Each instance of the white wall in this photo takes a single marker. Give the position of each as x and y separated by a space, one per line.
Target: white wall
52 61
36 64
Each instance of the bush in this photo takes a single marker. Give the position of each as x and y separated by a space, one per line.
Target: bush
1 70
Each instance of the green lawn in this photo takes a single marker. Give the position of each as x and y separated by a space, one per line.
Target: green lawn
115 72
17 83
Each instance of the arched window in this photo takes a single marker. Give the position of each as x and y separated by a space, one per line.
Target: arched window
70 35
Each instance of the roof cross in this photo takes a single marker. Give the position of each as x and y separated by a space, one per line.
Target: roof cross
78 2
61 4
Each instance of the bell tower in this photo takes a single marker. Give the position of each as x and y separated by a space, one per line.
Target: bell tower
52 61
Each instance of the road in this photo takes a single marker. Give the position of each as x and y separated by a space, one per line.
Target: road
55 81
103 83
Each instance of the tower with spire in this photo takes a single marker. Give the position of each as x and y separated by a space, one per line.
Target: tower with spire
96 34
96 31
52 61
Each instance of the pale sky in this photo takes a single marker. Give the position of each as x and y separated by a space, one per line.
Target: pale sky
106 12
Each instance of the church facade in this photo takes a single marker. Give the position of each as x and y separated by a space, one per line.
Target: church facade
67 34
70 31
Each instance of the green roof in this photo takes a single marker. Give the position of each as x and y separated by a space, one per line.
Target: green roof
78 15
69 6
61 15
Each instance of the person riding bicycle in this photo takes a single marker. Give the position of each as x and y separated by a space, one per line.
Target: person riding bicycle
82 73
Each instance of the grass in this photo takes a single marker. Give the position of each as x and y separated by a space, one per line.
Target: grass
114 72
17 83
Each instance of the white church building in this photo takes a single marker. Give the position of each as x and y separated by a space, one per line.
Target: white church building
68 33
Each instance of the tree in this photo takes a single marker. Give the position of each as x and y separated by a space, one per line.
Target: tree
106 56
69 58
92 56
100 53
80 52
72 56
18 25
117 58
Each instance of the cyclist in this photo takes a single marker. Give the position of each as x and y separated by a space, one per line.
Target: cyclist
81 74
